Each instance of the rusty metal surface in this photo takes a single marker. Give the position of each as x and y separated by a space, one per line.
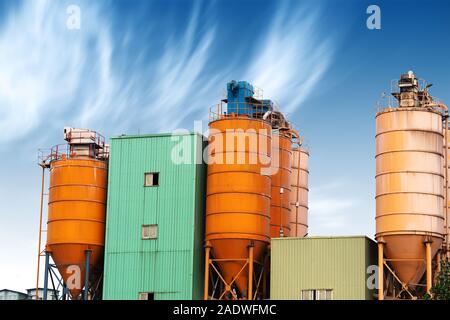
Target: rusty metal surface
299 192
409 186
280 209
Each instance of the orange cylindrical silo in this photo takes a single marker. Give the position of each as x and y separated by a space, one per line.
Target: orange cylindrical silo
238 198
447 205
280 210
409 188
299 192
76 217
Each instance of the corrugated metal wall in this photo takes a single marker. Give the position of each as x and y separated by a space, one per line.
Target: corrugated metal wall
338 263
170 266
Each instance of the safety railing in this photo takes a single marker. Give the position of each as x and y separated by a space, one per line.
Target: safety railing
390 102
385 102
79 136
240 110
64 151
57 152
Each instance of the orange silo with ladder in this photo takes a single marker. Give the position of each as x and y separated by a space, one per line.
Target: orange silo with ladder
76 212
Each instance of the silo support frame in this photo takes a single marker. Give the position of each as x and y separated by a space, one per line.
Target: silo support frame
86 276
382 263
50 271
404 286
210 265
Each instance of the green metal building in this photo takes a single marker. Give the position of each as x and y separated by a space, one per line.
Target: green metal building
323 268
154 226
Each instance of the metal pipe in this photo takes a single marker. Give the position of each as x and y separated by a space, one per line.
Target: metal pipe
40 231
281 207
439 105
250 273
428 262
380 271
86 278
265 267
205 291
266 115
47 266
438 261
64 289
297 187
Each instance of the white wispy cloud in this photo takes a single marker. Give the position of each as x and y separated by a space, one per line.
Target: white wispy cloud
51 76
329 211
292 57
45 68
180 71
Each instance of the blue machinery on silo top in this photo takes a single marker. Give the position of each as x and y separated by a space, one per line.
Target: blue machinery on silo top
240 100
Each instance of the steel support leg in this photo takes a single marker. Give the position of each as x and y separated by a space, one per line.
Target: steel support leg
428 262
380 271
206 288
86 278
250 273
47 266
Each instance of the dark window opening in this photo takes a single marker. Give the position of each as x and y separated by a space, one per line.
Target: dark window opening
151 179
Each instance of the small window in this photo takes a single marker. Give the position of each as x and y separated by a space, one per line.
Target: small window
151 179
307 294
146 296
324 294
317 294
149 231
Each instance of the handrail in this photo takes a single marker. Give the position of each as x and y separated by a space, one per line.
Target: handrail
63 151
247 110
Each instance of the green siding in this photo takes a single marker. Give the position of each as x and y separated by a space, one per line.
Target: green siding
171 265
338 263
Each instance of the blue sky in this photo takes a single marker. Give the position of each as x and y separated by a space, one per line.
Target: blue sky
154 66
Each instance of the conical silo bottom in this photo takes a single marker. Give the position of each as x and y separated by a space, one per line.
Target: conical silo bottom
411 250
70 259
233 250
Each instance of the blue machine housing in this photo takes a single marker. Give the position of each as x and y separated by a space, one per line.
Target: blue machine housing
240 100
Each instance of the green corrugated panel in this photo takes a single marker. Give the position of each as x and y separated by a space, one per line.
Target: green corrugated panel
172 265
337 263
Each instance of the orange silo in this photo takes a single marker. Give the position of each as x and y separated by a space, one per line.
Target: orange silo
77 211
446 245
237 231
409 187
280 209
299 192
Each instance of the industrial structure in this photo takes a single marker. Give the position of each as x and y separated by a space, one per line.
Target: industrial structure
155 221
299 190
323 268
38 294
248 199
411 184
76 215
174 216
184 216
6 294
